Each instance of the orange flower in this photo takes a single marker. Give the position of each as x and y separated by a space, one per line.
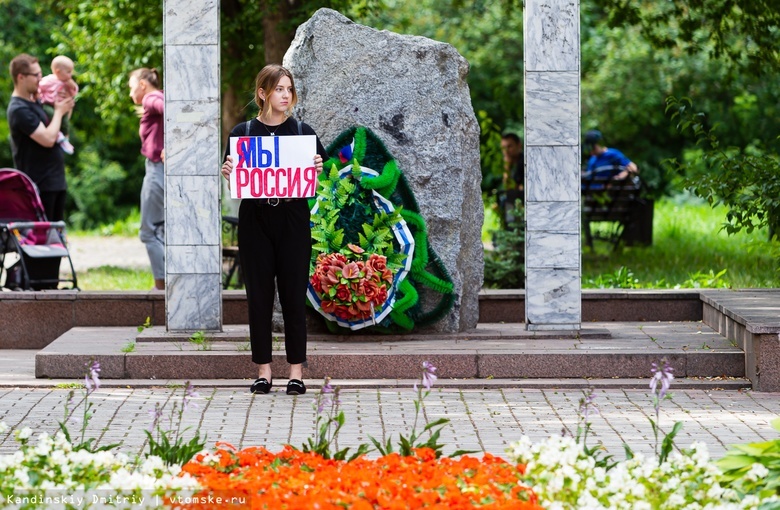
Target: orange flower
364 307
316 282
381 294
387 275
370 289
291 479
377 262
350 271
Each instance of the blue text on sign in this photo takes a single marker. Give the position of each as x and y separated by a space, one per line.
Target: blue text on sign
252 154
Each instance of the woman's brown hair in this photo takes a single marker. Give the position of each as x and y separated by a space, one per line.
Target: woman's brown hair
267 79
151 76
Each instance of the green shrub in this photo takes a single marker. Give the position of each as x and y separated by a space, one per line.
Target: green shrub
505 263
93 186
753 468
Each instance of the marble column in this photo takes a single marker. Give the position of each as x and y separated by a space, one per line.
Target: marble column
552 155
192 186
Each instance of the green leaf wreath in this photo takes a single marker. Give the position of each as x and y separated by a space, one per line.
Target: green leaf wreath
345 218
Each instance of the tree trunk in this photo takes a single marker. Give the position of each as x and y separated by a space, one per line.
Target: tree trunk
277 35
232 112
234 50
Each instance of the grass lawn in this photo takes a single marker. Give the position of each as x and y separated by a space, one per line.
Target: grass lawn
689 251
115 278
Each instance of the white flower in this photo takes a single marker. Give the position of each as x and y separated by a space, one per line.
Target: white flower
21 475
44 445
757 472
25 433
152 465
700 453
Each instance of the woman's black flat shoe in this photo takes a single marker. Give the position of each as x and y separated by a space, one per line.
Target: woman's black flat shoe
296 387
262 385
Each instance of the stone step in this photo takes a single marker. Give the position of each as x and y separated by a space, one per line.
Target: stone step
35 319
490 352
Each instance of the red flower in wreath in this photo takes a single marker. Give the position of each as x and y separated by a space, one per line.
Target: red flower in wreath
353 286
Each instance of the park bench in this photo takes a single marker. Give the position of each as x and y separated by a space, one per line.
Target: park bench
506 201
231 265
619 209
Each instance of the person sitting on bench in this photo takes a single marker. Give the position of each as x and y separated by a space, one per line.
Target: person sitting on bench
605 163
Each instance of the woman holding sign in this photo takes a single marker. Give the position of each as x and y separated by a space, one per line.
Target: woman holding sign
274 234
145 91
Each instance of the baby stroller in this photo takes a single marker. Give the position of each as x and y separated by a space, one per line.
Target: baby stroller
26 235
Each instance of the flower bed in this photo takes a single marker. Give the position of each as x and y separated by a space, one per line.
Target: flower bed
293 479
561 473
565 477
51 474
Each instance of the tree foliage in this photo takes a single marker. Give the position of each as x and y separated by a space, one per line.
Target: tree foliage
736 93
107 40
743 34
744 179
634 54
25 30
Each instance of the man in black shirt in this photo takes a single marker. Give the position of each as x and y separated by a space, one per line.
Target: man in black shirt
514 175
34 135
514 165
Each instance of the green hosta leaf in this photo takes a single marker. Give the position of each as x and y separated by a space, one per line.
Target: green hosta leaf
756 449
732 462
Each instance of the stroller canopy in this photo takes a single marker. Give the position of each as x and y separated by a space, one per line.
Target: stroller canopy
25 231
19 199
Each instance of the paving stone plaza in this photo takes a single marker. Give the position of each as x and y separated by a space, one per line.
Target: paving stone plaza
484 420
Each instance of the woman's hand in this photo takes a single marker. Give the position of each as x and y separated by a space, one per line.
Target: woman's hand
318 163
227 168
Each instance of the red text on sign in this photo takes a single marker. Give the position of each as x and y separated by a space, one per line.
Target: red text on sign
276 182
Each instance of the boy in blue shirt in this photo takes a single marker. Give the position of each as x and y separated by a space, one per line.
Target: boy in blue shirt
605 163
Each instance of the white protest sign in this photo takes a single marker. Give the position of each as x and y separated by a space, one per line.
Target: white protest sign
273 166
